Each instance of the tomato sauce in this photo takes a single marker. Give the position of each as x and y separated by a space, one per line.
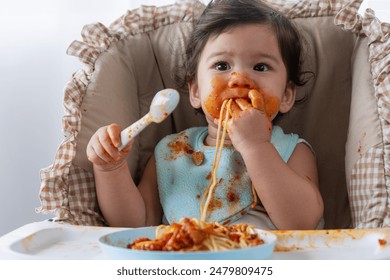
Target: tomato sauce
221 91
179 145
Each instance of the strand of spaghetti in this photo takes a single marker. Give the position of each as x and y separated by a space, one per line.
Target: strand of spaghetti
203 208
216 163
213 244
219 154
215 154
213 179
253 204
225 243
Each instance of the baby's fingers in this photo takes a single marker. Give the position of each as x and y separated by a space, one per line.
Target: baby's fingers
235 110
243 104
97 155
257 99
114 131
127 148
107 146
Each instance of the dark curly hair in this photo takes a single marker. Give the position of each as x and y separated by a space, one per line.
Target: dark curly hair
221 15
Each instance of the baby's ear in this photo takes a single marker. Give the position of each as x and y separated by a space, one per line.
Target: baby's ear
288 98
194 95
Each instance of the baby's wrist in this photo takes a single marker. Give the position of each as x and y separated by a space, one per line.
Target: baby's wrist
255 148
110 167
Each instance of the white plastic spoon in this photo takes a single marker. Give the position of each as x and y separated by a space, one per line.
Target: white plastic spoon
163 104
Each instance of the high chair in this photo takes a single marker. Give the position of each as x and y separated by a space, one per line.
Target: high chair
345 116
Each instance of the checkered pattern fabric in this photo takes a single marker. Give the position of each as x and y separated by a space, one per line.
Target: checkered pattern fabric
308 8
68 191
369 186
368 189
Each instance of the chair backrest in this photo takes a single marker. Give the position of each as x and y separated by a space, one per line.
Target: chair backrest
127 63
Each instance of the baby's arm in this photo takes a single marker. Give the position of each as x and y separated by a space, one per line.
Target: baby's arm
122 203
289 192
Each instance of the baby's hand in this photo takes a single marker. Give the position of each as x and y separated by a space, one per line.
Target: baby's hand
239 105
250 123
102 149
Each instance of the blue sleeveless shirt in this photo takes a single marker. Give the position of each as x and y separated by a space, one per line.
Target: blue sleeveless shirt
181 182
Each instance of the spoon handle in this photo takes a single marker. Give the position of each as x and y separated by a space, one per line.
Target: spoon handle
133 130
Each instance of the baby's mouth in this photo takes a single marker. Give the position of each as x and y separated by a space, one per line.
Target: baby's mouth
242 102
215 100
244 99
243 96
235 93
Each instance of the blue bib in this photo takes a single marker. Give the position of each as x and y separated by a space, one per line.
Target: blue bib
181 182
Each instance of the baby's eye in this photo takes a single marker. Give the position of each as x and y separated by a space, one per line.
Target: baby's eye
222 66
261 67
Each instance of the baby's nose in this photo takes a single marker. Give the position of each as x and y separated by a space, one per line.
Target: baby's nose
240 80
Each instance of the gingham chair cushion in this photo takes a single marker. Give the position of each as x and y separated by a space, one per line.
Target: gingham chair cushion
346 117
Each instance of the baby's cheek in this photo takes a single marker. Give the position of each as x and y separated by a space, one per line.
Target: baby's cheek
272 105
213 105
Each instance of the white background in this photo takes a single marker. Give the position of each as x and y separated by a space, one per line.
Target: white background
34 68
34 36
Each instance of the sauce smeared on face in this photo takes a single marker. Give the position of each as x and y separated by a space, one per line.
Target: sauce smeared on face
221 91
214 101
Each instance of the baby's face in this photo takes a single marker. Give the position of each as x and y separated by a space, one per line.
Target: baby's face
244 58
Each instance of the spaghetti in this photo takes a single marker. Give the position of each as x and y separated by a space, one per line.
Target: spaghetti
200 235
194 235
224 115
208 193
